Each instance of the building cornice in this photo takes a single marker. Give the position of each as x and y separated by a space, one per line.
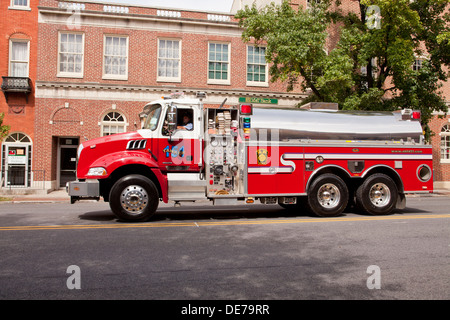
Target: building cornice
135 21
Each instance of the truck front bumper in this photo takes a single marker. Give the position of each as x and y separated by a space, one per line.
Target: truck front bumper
83 190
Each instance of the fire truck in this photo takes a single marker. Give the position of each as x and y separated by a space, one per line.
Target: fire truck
316 160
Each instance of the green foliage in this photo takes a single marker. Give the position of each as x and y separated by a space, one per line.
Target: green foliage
4 129
370 66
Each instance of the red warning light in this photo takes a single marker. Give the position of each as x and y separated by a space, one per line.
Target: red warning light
246 109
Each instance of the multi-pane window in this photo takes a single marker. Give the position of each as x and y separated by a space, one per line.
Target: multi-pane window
219 63
417 65
169 60
256 65
112 123
18 58
115 64
445 143
71 50
20 4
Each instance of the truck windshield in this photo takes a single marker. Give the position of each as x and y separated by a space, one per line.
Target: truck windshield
153 117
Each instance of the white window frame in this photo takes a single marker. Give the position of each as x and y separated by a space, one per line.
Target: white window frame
11 41
169 79
257 83
14 6
107 76
103 123
64 74
228 62
417 64
444 136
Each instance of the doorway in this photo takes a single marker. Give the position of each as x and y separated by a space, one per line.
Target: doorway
67 160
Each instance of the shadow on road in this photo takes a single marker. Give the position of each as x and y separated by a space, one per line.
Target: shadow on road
197 213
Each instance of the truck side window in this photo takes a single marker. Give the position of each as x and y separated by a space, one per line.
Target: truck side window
185 119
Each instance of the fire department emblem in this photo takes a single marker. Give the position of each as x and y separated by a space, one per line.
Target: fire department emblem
262 155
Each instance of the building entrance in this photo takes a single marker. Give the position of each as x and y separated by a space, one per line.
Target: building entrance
67 160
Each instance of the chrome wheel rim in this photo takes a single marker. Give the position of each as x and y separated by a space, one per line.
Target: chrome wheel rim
380 195
134 199
329 196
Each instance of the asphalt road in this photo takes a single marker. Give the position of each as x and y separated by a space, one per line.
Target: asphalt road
200 252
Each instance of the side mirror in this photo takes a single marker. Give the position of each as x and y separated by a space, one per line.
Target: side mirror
171 119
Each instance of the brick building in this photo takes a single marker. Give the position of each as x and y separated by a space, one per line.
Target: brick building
18 60
98 64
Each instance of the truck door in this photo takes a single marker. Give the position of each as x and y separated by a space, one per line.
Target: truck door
179 146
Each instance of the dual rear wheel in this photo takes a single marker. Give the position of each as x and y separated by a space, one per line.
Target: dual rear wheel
328 195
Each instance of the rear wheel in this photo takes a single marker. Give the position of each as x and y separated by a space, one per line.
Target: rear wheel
328 196
134 198
377 195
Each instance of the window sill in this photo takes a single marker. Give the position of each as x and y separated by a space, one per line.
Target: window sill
19 8
70 75
258 84
108 77
174 80
221 82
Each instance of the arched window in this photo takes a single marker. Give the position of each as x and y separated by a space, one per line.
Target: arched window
18 138
445 143
112 123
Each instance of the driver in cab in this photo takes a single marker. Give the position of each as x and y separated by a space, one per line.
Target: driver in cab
187 123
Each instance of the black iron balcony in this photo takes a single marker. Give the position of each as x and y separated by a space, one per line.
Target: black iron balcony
16 85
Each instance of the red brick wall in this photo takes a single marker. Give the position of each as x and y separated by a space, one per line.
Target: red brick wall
18 24
441 170
142 64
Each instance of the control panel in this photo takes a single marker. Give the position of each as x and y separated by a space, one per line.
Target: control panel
223 153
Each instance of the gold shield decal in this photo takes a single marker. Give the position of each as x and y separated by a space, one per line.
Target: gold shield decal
262 155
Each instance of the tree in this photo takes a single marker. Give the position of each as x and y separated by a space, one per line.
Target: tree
4 129
370 67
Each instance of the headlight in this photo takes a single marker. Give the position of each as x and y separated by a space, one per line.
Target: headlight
97 172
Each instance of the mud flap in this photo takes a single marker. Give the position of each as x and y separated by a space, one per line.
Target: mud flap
401 201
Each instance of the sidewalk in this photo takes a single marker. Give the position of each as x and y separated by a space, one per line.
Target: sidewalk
62 196
54 196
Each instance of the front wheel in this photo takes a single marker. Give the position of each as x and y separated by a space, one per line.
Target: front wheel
134 198
377 195
328 196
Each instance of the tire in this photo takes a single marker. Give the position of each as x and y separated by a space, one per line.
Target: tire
377 195
134 198
328 196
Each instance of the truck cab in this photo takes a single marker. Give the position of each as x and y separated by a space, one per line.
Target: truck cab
174 133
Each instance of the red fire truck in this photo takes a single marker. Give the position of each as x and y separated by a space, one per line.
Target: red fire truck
321 160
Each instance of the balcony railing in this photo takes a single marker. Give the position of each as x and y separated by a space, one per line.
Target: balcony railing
16 85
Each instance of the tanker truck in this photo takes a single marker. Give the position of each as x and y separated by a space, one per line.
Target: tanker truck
316 160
